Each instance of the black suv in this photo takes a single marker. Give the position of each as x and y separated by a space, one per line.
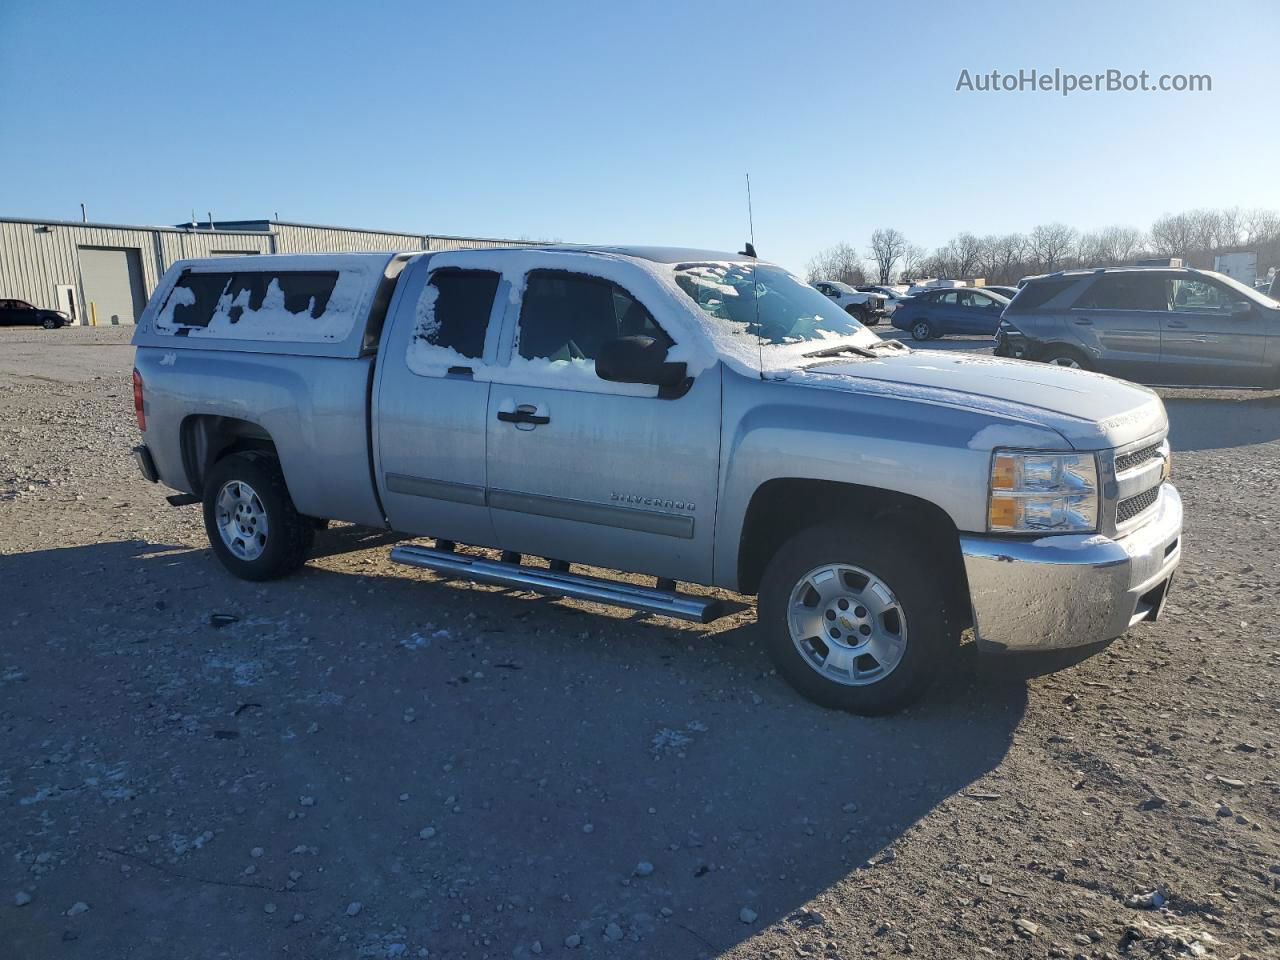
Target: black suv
19 313
1158 325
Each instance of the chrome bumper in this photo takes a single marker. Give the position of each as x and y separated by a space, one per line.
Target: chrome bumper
1068 590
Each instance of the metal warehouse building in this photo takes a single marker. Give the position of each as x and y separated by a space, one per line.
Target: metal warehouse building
105 272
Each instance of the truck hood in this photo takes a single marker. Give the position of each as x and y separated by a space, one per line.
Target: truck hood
1090 410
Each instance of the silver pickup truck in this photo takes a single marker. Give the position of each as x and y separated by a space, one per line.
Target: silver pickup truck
684 415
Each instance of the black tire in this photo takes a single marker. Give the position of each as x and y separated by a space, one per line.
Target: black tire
49 323
289 536
922 330
911 568
1060 355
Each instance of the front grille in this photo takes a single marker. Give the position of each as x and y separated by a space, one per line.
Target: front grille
1126 510
1137 458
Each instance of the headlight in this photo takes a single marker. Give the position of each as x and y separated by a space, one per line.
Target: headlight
1043 493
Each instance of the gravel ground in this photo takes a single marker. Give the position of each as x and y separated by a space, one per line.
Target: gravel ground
370 761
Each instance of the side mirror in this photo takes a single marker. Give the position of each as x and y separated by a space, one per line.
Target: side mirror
638 360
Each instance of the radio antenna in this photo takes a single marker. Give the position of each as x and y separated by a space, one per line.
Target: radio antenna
755 289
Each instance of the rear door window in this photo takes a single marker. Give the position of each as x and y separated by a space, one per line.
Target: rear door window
453 311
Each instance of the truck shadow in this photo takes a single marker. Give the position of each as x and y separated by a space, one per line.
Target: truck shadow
1214 423
460 748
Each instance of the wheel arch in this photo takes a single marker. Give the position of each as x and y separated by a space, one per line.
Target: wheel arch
783 506
208 438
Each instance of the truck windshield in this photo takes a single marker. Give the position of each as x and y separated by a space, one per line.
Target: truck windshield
766 301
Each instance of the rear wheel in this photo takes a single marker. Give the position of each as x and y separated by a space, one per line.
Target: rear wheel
1061 356
856 619
250 519
922 330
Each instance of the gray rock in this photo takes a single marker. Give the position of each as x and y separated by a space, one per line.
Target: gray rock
354 907
1026 927
644 868
747 915
573 940
268 908
535 947
426 833
78 908
613 932
1152 900
21 898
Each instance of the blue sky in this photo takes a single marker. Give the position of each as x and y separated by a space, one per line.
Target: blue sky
632 122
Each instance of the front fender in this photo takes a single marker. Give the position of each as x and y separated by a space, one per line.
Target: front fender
934 452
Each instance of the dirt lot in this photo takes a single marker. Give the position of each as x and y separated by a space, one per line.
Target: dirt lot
369 761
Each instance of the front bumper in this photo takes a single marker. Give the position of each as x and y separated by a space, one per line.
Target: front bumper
1071 590
1010 342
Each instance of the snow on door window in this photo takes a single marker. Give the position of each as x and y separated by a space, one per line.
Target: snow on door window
299 305
451 320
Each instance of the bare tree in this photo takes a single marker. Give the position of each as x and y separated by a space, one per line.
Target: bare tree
1230 227
1173 235
840 262
1051 243
1119 244
1260 226
1011 254
913 263
887 248
1089 249
1205 227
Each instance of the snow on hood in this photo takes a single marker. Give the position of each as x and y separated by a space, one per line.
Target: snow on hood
1090 410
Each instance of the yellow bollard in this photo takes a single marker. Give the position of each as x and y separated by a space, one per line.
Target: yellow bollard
93 313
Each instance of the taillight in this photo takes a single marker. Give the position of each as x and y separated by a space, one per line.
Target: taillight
138 411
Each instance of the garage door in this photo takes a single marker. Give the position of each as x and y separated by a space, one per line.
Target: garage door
112 279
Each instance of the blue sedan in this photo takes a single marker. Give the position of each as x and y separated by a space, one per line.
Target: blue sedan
936 313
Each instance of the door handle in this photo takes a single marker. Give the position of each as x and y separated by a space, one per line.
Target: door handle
525 413
1175 325
1084 321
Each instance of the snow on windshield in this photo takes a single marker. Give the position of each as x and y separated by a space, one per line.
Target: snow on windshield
758 300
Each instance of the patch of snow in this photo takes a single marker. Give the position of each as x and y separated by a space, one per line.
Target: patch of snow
358 276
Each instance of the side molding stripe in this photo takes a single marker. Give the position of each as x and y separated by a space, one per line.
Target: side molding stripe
603 514
467 493
582 511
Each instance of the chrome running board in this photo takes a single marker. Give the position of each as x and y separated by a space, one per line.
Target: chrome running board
553 583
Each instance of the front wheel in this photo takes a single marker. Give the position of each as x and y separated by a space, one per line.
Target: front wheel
922 330
250 519
857 619
48 323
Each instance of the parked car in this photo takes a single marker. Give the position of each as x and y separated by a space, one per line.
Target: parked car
936 313
15 313
893 296
1156 325
867 307
685 415
1007 292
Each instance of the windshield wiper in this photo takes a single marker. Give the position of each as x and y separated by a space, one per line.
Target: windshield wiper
867 351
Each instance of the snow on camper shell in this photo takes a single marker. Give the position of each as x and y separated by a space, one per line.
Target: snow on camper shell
303 305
